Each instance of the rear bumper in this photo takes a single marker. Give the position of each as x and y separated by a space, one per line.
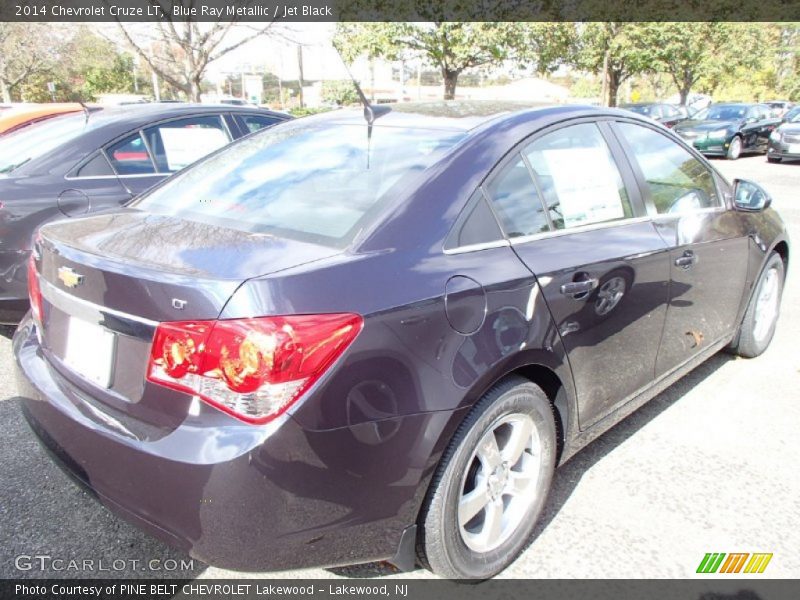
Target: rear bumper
234 495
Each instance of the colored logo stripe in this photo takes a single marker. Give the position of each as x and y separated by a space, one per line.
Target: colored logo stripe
734 563
713 562
710 562
758 563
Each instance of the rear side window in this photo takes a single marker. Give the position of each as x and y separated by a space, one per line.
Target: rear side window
253 123
516 201
577 177
475 225
130 156
677 181
320 181
177 144
97 166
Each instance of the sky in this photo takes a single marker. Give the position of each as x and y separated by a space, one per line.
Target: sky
275 53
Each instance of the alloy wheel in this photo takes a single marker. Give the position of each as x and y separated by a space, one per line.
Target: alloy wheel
500 482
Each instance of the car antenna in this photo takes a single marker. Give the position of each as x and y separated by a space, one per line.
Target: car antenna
86 111
370 112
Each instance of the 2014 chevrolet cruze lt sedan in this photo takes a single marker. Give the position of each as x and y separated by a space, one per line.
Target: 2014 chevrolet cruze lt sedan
337 342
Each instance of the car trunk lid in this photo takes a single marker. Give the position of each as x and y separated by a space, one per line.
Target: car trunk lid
108 280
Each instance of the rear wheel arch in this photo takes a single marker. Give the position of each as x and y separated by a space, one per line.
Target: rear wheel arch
782 248
537 373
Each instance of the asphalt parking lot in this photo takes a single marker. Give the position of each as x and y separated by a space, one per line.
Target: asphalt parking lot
710 465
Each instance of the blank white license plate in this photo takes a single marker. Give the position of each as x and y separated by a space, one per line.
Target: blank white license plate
90 351
793 149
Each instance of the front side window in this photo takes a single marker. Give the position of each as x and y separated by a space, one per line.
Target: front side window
677 181
577 177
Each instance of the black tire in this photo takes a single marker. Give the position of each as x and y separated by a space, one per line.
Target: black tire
735 148
755 337
441 544
774 159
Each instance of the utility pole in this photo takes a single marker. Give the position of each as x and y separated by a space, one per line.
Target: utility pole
300 72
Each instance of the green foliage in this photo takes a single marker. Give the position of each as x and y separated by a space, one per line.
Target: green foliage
617 50
454 47
306 111
340 92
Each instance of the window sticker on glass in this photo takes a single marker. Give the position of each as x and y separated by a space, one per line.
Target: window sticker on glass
185 145
586 185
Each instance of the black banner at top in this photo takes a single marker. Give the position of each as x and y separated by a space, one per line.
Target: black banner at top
398 10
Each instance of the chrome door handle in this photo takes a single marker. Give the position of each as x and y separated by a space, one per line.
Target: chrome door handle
576 288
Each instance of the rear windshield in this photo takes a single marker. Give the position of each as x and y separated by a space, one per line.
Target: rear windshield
317 181
36 140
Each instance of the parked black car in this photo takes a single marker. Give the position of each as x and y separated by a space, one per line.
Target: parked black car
785 140
84 162
666 114
779 107
729 129
335 342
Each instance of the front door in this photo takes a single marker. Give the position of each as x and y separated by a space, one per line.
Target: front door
708 248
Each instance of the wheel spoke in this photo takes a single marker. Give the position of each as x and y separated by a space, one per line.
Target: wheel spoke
472 503
493 524
518 442
517 482
488 452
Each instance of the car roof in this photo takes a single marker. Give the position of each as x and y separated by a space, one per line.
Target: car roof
157 110
454 115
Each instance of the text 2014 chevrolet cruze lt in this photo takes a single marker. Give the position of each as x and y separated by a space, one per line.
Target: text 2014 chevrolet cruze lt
337 342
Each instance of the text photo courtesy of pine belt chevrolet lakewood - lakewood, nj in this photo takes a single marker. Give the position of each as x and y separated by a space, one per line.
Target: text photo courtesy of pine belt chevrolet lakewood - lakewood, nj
456 300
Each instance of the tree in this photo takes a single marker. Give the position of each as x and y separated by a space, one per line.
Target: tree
451 47
690 52
617 51
24 54
180 50
340 92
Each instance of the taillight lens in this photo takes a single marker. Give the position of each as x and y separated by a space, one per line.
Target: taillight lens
253 369
34 291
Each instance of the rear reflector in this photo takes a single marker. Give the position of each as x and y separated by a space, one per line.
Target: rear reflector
253 369
34 291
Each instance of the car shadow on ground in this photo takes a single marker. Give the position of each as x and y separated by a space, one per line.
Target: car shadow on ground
568 477
49 527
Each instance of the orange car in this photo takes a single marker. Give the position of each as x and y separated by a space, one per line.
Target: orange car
20 116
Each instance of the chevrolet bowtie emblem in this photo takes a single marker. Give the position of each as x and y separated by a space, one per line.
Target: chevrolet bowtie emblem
69 277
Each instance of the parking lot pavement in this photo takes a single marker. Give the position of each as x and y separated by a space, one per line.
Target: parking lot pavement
710 465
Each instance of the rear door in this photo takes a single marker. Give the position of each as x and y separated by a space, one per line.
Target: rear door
708 247
91 185
576 220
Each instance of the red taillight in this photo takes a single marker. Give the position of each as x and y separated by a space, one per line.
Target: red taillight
34 291
253 369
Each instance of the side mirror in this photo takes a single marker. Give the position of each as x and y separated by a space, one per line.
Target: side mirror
749 196
751 120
